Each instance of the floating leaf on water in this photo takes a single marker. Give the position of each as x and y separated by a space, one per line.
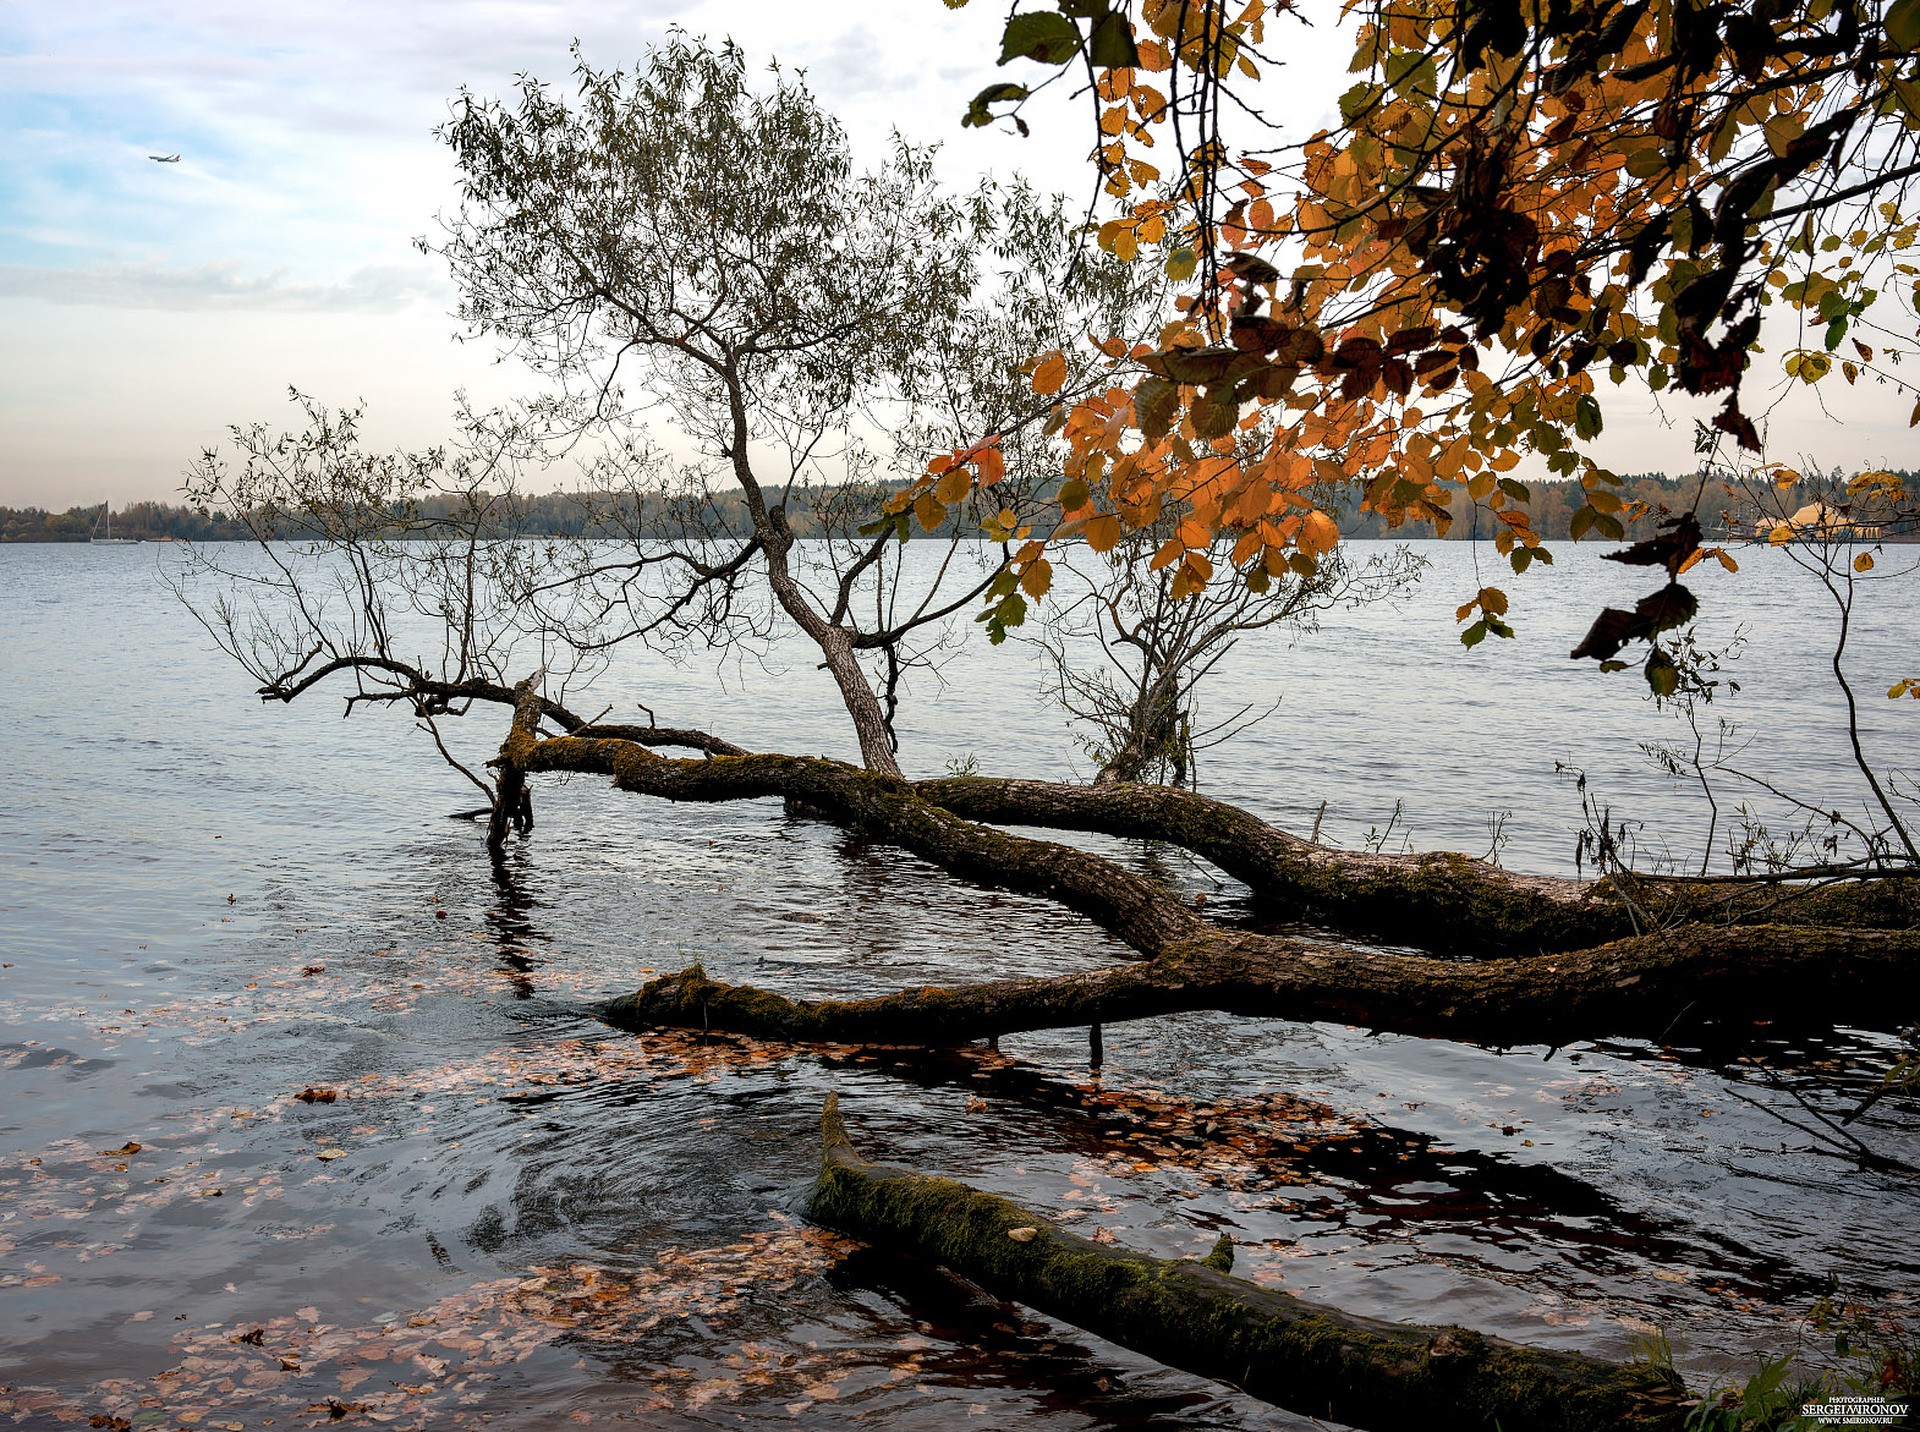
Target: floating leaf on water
331 1154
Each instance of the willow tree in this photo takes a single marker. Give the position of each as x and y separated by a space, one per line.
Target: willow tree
747 341
675 245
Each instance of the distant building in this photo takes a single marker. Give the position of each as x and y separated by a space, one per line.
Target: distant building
1818 522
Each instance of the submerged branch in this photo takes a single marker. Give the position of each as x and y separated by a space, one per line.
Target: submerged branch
1639 987
1303 1356
1437 900
1648 987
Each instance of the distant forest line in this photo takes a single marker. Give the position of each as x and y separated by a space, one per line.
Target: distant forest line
564 515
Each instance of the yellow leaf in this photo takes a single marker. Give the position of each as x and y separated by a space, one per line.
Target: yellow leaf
1050 373
1037 578
953 486
1103 532
1863 563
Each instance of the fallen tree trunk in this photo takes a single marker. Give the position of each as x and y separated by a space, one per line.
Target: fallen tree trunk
1195 1316
1653 987
1642 987
1438 900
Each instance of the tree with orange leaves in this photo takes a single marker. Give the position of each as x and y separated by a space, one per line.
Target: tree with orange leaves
1529 213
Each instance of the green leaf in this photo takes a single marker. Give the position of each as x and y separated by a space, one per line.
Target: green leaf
1042 35
1181 264
1587 421
1662 675
1474 634
1358 100
1903 25
1516 490
1009 611
1111 44
1410 69
978 115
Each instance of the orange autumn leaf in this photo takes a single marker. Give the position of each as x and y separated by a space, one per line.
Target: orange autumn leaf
1050 373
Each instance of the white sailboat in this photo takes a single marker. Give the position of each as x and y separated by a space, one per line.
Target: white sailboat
109 540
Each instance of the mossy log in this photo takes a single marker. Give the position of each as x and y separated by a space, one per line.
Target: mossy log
1654 987
1437 900
1641 987
1196 1316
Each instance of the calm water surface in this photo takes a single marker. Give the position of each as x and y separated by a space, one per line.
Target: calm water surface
509 1213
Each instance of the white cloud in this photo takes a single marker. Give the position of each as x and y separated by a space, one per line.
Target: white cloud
222 287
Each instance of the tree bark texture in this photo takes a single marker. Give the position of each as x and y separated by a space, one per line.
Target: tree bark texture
1646 986
1440 901
1655 987
512 801
1310 1359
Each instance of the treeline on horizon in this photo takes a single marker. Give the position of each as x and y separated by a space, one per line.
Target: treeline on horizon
560 514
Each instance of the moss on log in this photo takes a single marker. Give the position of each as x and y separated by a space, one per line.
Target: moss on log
1436 900
1307 1358
1642 987
1654 987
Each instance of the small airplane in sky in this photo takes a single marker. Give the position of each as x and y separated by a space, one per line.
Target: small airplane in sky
164 158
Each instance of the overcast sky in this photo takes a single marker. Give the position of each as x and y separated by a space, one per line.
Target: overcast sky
145 306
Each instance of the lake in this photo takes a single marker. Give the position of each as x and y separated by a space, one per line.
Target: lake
509 1213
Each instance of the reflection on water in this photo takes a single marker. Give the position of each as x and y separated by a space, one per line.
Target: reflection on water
509 1212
